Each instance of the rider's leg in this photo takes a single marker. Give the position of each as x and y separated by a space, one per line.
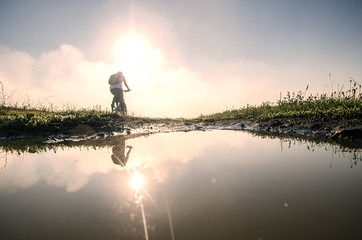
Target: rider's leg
118 105
120 99
118 95
124 107
113 102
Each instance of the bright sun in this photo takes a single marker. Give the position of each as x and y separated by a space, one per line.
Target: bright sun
137 182
132 48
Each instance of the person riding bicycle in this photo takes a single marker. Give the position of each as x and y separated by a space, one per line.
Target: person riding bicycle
116 89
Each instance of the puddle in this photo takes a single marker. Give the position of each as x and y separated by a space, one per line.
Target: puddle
180 185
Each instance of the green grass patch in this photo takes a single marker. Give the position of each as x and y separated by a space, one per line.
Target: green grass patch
33 119
296 106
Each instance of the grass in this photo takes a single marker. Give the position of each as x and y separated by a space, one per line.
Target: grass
24 119
31 118
338 105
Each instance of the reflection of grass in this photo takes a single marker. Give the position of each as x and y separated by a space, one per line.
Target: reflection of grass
37 145
341 105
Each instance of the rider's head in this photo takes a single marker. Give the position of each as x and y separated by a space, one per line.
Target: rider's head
120 73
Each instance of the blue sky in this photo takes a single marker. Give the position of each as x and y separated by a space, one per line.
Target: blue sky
245 51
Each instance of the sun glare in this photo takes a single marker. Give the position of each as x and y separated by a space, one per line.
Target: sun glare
132 48
137 182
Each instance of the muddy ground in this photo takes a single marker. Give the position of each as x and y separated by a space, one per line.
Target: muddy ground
340 131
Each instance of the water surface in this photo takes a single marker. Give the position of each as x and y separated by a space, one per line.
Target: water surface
194 185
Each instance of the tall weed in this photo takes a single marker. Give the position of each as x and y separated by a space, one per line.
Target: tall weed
339 104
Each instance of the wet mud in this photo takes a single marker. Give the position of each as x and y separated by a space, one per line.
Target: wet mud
339 131
342 132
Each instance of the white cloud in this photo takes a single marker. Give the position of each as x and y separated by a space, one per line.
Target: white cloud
15 67
62 76
66 77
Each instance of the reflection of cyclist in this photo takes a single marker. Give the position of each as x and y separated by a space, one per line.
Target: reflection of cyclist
119 156
117 90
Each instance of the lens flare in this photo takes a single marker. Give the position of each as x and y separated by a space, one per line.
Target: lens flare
137 182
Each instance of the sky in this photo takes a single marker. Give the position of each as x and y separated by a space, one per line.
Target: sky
180 58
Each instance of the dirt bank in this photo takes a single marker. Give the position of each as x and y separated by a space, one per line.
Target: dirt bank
339 131
321 129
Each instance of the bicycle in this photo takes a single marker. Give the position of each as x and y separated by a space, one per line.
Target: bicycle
120 104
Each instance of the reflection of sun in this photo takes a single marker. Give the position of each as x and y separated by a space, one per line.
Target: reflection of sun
137 182
132 48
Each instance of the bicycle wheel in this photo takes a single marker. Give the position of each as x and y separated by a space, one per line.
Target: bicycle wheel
123 108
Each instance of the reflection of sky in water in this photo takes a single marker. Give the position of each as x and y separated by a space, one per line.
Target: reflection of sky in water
208 185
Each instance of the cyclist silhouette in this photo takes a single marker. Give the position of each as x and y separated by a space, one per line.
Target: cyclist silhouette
119 155
116 81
